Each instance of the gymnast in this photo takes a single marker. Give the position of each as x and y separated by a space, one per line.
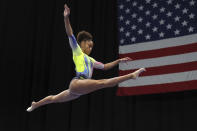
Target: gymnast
83 84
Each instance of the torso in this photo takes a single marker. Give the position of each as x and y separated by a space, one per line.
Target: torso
83 66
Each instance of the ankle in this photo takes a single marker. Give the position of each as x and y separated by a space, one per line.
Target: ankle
34 104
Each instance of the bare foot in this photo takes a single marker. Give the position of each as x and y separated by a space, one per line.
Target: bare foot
32 107
137 73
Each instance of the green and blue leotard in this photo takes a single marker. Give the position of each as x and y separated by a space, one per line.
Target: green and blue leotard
84 64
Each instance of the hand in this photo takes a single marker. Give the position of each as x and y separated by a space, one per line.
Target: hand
66 11
125 60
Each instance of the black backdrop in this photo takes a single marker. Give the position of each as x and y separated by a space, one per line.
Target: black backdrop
36 60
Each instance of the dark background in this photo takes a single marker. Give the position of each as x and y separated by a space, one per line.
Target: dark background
36 61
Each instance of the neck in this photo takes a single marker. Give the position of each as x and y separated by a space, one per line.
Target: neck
83 50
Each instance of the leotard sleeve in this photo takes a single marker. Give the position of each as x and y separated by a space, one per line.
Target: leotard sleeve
96 64
74 46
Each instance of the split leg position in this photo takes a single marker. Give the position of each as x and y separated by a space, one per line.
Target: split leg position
81 87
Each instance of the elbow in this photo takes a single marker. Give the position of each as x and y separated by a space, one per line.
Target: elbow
69 33
105 67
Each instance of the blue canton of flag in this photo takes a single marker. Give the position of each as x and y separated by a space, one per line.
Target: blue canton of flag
148 20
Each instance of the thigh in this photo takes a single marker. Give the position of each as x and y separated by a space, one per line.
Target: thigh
85 86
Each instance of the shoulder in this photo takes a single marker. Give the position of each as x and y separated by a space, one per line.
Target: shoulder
92 59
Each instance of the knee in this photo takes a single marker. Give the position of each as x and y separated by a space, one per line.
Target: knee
73 93
51 98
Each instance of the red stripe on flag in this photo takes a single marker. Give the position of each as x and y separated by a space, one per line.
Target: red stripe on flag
159 88
161 52
165 69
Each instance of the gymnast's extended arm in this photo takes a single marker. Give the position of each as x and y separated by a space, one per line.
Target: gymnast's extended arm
110 65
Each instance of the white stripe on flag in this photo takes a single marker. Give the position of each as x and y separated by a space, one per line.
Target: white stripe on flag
171 42
161 79
160 61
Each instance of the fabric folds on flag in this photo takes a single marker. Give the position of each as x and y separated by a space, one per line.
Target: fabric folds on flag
162 37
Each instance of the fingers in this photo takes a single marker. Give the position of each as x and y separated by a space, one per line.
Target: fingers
66 7
128 58
125 60
66 10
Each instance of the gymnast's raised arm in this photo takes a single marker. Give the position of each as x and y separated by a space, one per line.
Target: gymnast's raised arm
68 27
72 40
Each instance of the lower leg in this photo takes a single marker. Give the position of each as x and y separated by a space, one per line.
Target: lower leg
61 97
44 101
116 80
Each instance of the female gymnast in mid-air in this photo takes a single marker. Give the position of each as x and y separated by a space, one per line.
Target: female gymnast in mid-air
83 84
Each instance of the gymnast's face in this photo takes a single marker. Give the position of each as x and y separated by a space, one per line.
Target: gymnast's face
87 46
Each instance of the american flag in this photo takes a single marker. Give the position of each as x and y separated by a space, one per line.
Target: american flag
160 35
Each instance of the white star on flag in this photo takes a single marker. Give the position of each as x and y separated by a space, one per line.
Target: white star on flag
177 6
161 34
133 27
155 29
162 9
192 3
177 18
176 32
140 31
169 26
184 23
191 16
185 11
133 39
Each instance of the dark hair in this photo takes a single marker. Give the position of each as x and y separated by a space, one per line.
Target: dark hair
83 36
